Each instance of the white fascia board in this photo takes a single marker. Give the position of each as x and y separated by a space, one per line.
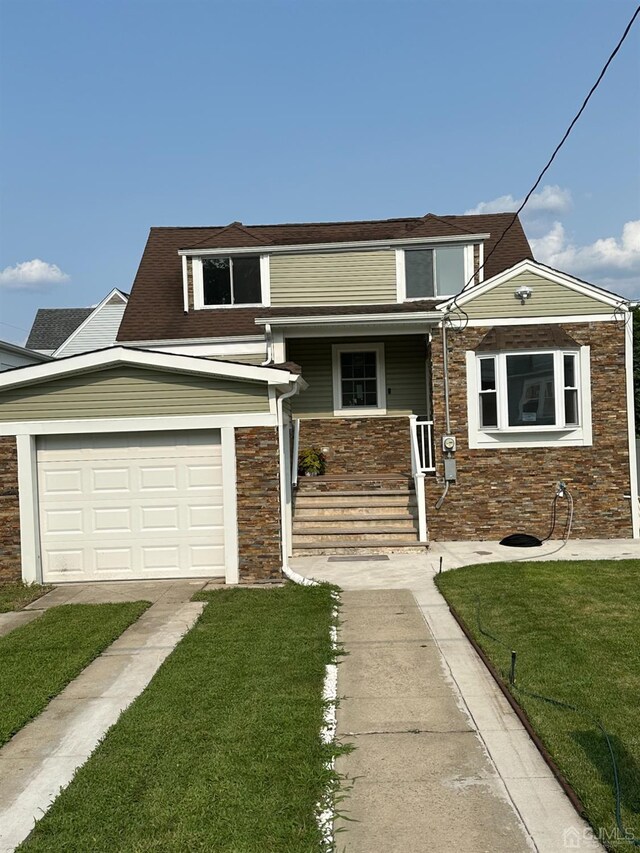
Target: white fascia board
352 319
216 350
179 342
333 247
148 423
544 272
37 355
87 320
544 320
143 358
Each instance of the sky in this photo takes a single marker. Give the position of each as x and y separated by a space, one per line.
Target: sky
118 116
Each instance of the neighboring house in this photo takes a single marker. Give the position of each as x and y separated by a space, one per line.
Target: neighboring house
445 412
12 355
60 332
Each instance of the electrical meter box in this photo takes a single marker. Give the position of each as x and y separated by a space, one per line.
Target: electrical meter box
449 470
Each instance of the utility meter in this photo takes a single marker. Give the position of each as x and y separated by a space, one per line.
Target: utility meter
449 443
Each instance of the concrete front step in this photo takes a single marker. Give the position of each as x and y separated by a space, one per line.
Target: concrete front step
396 499
333 524
374 536
354 548
327 483
348 513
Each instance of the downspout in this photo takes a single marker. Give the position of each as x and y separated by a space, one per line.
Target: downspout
269 340
284 488
447 415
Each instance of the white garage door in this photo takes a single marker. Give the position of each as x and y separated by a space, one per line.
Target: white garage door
131 506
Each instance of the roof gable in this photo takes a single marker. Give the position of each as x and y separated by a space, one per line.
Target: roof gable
115 356
552 294
106 335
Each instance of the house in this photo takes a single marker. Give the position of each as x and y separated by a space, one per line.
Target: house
450 380
12 355
61 332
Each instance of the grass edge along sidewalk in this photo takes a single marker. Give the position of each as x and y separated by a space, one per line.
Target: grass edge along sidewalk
222 751
39 659
575 626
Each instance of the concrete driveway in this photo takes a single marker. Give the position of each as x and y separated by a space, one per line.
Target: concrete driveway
443 763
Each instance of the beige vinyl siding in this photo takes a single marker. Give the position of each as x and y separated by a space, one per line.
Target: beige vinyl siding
131 392
405 372
251 358
339 278
548 299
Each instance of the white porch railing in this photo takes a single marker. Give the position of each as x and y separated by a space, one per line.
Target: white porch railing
422 442
421 463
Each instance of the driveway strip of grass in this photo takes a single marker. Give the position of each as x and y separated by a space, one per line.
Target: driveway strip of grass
15 596
39 659
222 751
575 627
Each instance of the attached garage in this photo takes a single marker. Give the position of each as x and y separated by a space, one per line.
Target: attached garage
131 506
135 465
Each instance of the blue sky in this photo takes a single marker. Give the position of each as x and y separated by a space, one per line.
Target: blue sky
122 115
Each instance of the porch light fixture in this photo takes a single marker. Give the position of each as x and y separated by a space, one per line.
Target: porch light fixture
523 293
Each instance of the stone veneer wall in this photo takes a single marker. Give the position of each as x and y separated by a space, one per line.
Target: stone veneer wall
503 491
10 567
258 500
360 446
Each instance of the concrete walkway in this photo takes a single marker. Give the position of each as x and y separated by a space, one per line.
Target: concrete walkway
15 619
409 788
42 758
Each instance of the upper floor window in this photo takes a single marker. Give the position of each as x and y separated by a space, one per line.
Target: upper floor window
231 281
435 272
220 282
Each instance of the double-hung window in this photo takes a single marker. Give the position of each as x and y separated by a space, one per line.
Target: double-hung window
228 281
528 394
358 379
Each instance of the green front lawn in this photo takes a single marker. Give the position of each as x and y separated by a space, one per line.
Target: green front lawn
222 751
576 629
39 659
15 596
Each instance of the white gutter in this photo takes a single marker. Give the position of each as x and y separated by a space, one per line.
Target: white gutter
352 319
313 248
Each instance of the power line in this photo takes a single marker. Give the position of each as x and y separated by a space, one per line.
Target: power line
557 149
19 328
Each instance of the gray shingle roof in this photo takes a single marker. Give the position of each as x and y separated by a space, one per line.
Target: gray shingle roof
52 326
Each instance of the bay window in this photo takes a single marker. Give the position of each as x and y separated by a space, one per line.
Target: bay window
521 396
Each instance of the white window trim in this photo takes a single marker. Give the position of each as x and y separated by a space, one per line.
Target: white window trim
536 436
358 411
401 272
198 286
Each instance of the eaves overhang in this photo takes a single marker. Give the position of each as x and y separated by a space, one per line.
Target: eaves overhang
344 325
355 245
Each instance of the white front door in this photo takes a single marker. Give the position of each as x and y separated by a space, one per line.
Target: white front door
131 506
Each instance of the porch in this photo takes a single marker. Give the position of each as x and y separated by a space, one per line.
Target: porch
361 510
366 410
